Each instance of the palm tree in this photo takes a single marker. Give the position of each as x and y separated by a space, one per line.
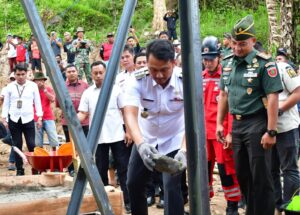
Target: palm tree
288 27
274 38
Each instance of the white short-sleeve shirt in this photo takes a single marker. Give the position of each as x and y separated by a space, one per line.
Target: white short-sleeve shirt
164 126
112 129
290 81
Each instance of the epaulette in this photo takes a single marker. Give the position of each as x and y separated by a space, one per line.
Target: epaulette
263 55
270 64
228 56
141 74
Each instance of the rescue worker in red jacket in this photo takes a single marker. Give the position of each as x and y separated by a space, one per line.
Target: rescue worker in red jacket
217 151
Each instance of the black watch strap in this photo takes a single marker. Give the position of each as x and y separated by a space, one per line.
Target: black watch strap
272 133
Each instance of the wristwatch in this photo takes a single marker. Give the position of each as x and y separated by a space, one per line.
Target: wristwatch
280 112
272 133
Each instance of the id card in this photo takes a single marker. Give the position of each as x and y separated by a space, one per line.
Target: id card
19 104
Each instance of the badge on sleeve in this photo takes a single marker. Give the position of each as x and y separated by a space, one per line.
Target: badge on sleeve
272 72
291 72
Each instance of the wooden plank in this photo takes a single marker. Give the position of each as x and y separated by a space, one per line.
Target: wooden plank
59 206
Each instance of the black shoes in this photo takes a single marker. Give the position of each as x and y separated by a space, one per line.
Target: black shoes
127 208
232 208
72 173
150 200
160 204
20 172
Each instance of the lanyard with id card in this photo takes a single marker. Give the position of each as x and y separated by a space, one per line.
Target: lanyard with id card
19 102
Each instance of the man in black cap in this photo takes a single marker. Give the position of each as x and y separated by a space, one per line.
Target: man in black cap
106 48
249 83
282 56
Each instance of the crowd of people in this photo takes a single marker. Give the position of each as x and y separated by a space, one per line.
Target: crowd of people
250 105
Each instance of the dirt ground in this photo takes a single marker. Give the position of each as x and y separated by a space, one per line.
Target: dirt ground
217 204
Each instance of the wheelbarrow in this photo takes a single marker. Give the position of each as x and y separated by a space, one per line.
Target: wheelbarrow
42 160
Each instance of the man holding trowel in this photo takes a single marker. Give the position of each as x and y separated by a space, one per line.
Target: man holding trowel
160 130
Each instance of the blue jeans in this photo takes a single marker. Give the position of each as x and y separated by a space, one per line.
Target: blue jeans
50 128
284 158
12 158
137 178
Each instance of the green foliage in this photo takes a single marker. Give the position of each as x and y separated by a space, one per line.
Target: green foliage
101 16
213 23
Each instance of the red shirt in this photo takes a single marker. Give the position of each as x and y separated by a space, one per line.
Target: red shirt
21 53
107 48
46 105
75 90
211 92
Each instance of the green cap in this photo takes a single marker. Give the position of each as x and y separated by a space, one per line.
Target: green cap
243 29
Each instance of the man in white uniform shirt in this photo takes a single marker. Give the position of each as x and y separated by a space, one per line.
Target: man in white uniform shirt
112 133
160 93
17 112
127 65
285 151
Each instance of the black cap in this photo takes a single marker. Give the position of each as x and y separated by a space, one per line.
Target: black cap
110 34
282 51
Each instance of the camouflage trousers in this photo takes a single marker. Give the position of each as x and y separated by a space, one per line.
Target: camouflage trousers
84 69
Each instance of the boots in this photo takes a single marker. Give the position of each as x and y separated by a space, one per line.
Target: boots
20 172
232 208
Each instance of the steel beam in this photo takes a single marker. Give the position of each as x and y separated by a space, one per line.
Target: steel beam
66 105
112 70
193 103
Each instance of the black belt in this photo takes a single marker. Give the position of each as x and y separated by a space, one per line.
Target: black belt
238 117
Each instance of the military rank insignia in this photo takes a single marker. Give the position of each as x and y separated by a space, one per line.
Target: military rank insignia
272 72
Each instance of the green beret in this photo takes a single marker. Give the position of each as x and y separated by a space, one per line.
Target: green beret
243 29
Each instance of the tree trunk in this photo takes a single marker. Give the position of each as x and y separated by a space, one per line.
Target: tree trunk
159 10
274 38
286 22
296 24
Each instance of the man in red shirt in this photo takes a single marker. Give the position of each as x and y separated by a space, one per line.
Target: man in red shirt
76 88
106 48
48 121
221 152
21 50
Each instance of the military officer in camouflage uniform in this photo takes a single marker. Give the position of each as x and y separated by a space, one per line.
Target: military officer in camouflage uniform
249 83
82 48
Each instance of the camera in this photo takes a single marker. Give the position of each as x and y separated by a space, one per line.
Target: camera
82 44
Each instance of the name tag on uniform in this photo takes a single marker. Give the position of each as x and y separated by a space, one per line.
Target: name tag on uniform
19 104
250 75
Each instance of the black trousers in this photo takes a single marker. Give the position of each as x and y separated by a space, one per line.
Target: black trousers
16 130
67 135
137 178
172 33
253 164
121 155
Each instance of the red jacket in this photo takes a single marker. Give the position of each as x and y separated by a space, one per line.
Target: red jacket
211 90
